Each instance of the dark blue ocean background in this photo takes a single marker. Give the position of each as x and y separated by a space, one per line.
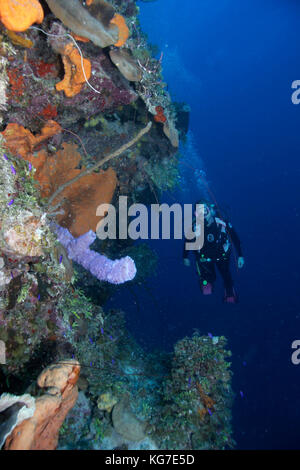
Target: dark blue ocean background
233 62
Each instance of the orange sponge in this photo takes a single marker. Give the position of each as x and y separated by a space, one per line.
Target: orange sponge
119 21
18 15
74 77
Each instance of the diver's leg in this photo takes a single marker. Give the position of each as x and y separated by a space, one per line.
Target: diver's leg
207 276
224 269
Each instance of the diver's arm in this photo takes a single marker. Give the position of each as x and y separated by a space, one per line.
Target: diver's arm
235 239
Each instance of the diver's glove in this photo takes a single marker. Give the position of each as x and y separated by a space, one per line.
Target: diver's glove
241 262
186 262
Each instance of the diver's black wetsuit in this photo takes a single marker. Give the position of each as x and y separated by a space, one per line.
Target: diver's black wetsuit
216 251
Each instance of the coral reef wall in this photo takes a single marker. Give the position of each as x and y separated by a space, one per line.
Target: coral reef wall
85 117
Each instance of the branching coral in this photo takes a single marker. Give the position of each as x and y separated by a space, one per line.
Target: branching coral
18 15
77 72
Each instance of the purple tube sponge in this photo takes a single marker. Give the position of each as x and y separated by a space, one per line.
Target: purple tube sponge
104 269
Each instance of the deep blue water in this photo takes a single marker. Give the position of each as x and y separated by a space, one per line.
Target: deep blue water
234 62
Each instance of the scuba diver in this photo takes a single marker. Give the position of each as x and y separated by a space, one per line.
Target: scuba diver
215 252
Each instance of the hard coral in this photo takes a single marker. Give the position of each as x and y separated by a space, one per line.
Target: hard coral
123 29
106 402
18 15
76 73
126 423
25 238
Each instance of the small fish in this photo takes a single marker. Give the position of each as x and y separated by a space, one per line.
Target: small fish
242 394
5 156
29 166
110 337
10 202
102 331
13 170
210 335
209 411
91 341
60 259
189 382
